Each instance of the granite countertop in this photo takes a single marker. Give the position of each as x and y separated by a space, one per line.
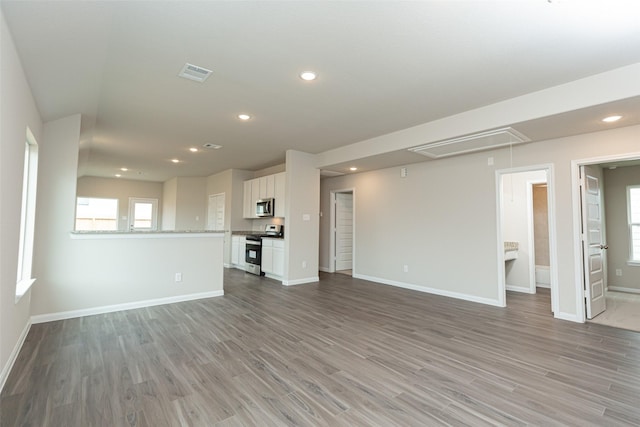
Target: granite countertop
244 232
247 232
147 232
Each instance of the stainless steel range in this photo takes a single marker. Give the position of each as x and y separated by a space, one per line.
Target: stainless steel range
253 251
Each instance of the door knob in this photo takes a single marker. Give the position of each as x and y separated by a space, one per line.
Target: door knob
604 246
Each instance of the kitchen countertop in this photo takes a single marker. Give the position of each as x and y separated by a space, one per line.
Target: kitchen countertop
145 234
248 232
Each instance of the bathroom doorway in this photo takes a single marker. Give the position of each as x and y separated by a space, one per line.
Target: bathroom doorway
526 231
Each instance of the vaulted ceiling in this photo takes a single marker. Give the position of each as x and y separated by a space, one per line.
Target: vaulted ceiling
382 66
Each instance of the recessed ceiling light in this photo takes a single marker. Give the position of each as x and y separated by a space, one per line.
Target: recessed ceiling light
193 149
308 75
175 160
244 117
124 169
613 167
611 119
353 169
118 175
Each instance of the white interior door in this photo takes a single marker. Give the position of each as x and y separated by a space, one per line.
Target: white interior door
344 231
592 240
215 212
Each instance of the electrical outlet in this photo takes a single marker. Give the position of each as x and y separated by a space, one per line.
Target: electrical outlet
304 264
405 268
403 172
178 277
618 272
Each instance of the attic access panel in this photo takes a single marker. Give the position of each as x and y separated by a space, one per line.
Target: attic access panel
467 144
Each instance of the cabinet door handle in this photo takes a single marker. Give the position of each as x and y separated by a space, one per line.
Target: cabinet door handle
604 246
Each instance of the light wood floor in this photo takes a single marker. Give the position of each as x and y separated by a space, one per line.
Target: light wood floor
344 352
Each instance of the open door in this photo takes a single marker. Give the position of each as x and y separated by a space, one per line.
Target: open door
593 245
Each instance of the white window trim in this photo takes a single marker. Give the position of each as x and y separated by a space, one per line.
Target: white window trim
631 262
24 279
154 213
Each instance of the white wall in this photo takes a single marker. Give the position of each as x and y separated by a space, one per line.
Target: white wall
121 189
615 203
441 219
301 219
184 203
94 272
191 203
169 200
516 226
76 275
18 111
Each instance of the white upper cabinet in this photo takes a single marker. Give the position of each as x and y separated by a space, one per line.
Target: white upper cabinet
248 206
269 183
279 193
266 187
255 193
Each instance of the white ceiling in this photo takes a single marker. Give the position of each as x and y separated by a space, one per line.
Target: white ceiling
382 65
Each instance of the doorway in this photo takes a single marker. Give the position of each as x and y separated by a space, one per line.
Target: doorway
606 273
215 212
526 237
342 241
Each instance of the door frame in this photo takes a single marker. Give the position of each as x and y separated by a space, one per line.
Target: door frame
581 311
224 213
531 231
332 230
553 246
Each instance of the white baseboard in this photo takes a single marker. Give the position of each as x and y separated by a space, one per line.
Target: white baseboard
6 369
429 290
519 289
324 269
227 265
543 285
41 318
623 289
569 317
301 281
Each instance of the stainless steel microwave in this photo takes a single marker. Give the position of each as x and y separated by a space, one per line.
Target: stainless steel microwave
264 207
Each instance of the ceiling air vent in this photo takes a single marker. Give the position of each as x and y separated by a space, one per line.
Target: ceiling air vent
195 73
470 143
212 146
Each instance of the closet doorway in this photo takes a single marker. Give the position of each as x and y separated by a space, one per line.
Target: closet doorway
342 242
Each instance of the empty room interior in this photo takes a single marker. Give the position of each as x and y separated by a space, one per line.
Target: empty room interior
265 213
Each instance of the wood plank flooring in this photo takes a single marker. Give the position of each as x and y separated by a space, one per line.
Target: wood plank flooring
344 352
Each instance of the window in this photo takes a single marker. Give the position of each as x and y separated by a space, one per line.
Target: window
27 216
143 214
94 214
633 204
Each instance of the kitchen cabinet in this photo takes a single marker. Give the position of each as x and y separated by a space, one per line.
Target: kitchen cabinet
273 256
279 193
266 187
248 207
255 193
238 245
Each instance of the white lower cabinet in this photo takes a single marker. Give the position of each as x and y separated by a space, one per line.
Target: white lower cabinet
273 257
238 244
